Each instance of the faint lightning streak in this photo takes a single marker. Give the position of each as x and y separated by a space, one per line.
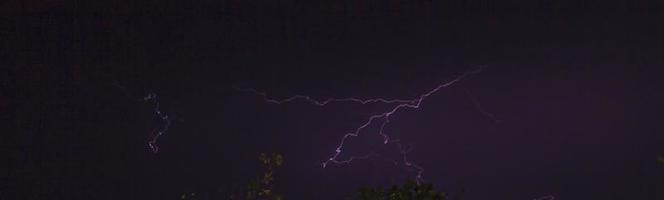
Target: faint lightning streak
150 98
480 108
400 103
152 143
313 101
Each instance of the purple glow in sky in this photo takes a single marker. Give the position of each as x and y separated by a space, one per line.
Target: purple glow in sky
414 103
87 87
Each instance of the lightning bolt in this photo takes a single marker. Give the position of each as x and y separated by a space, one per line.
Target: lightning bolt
157 132
150 98
399 104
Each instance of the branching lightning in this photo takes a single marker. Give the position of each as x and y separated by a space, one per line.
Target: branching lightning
386 116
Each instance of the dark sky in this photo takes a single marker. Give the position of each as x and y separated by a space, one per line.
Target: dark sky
575 85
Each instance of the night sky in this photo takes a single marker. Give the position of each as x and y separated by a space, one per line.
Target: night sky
566 103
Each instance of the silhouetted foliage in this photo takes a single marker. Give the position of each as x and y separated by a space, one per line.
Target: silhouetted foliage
191 196
408 191
263 188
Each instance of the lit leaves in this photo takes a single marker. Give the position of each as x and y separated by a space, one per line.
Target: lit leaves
263 187
275 159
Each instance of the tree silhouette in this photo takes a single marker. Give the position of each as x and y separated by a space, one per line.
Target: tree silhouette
263 188
409 191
